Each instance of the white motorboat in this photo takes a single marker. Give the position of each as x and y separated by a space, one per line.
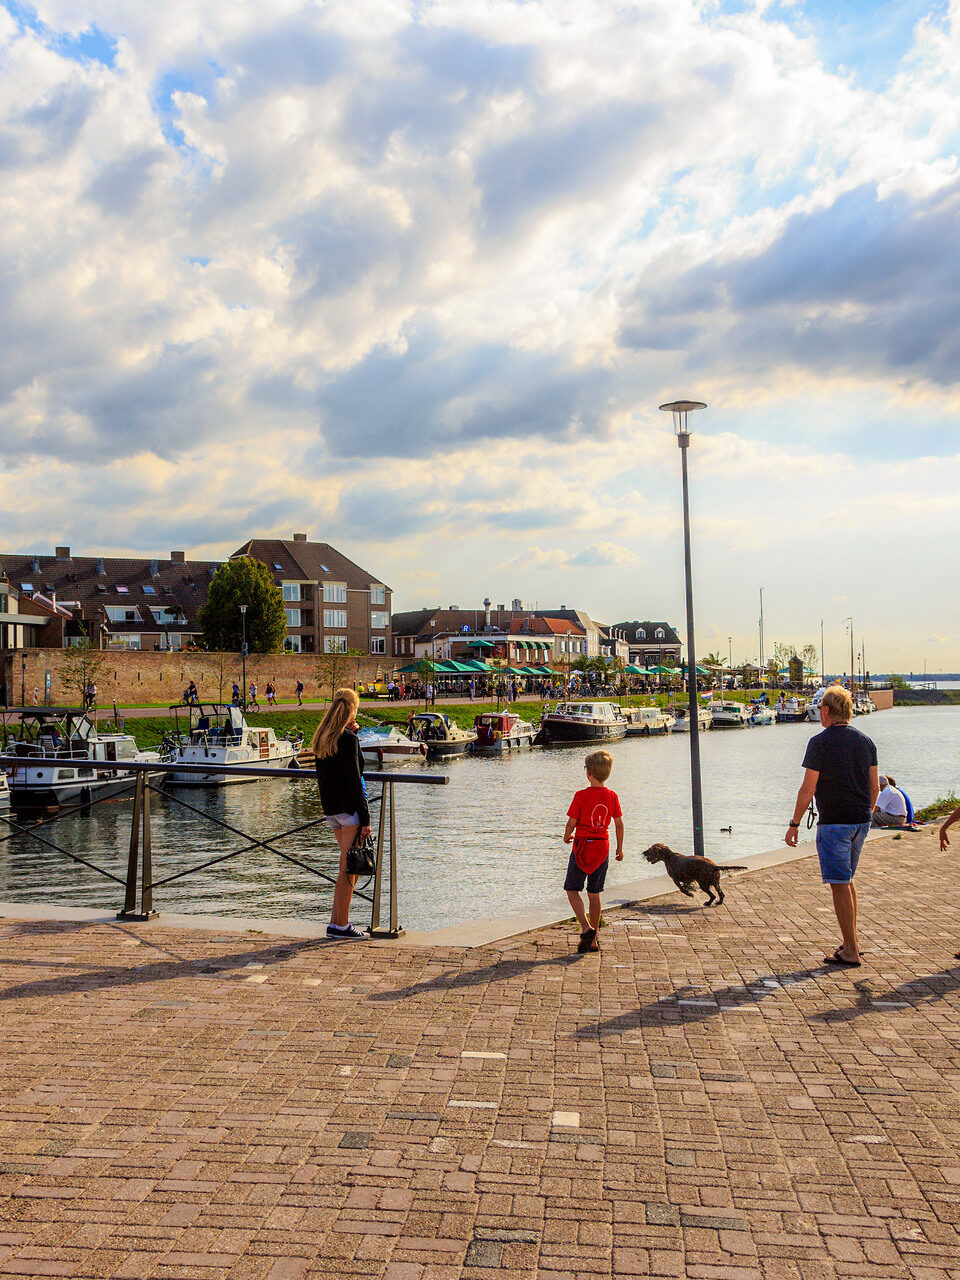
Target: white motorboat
499 732
441 736
728 715
4 793
643 722
381 744
56 749
682 725
581 722
220 735
760 715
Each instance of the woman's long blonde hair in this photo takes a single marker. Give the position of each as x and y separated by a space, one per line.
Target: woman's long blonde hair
339 714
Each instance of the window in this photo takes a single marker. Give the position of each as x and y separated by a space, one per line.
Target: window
120 613
293 617
378 595
291 591
175 642
335 593
334 618
123 591
167 614
335 644
661 634
26 586
379 621
125 642
149 591
278 567
378 644
292 644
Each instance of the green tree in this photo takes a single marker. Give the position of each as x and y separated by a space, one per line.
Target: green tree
81 666
243 581
333 670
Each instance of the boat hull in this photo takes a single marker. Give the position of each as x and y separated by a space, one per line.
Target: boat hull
791 717
504 745
558 733
40 794
286 761
447 750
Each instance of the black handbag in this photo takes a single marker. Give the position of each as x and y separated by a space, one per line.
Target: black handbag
360 858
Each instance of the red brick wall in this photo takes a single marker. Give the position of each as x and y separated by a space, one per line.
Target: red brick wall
147 676
882 698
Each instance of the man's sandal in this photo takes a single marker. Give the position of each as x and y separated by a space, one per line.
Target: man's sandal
586 941
837 958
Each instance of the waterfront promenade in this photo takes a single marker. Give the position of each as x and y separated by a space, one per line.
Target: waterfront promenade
703 1099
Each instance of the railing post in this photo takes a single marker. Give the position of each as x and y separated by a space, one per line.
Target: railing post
394 931
146 884
378 874
133 858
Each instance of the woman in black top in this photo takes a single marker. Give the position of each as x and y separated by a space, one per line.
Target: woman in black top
342 797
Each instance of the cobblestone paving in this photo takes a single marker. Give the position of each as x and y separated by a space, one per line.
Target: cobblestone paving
703 1099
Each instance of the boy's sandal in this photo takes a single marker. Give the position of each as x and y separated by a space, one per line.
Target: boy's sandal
837 958
586 941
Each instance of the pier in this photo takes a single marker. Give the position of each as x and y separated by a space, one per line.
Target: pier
703 1099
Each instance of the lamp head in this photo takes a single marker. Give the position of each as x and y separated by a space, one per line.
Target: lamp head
680 409
243 609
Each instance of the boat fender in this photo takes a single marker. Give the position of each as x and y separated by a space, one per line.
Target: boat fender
497 735
380 755
423 749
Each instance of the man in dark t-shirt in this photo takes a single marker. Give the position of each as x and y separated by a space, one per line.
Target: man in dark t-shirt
840 771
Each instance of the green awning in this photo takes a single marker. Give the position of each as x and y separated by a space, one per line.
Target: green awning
481 644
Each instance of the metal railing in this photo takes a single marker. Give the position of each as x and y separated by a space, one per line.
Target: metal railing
140 882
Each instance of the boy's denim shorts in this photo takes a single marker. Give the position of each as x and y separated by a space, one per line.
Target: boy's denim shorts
577 877
838 847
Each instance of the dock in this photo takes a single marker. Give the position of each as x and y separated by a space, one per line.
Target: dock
702 1099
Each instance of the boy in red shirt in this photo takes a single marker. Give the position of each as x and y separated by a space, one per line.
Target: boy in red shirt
588 819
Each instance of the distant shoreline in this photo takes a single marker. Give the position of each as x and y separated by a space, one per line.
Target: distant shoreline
926 697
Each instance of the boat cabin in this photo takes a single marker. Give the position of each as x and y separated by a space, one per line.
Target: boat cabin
493 725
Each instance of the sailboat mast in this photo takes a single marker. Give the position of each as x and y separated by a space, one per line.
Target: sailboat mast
761 638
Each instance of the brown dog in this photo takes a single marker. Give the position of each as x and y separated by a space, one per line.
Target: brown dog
685 871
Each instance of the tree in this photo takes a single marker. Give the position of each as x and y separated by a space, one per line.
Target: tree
243 581
80 667
782 653
333 669
810 655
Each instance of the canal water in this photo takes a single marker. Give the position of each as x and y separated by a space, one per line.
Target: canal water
489 842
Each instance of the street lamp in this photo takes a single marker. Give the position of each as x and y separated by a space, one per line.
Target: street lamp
853 674
243 657
680 409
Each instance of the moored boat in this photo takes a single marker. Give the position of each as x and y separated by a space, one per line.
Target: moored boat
56 750
381 744
643 722
572 723
441 736
501 731
791 712
728 715
4 793
220 735
759 715
682 724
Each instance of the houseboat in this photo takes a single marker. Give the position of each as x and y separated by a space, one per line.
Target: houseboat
501 731
56 749
440 735
572 723
643 722
220 735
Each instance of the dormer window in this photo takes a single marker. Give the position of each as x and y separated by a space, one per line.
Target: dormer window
661 634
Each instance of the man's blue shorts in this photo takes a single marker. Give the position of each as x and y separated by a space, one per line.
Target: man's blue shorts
577 877
838 847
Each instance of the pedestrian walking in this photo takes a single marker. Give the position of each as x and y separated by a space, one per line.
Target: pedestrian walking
299 693
339 764
840 772
253 695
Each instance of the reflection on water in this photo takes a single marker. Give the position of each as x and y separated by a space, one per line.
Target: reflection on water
489 842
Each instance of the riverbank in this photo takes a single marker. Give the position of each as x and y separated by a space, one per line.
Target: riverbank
926 697
704 1098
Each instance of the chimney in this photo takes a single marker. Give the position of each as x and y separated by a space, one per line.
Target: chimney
486 605
154 568
63 553
517 606
101 567
299 537
36 564
501 608
178 557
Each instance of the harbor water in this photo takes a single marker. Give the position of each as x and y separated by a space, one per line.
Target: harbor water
489 842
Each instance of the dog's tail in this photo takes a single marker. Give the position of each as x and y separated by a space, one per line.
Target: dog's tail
719 868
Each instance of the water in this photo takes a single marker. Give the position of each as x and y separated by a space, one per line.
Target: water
489 842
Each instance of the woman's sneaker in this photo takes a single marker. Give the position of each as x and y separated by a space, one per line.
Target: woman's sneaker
344 932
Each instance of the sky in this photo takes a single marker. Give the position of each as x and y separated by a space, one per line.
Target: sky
413 276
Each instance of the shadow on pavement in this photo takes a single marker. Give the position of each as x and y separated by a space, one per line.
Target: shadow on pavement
454 981
915 992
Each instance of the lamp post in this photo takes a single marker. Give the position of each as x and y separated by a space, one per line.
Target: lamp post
853 673
680 409
243 657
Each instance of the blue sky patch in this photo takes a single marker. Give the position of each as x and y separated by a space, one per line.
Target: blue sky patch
91 45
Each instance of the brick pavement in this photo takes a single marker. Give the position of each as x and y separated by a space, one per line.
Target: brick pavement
703 1099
